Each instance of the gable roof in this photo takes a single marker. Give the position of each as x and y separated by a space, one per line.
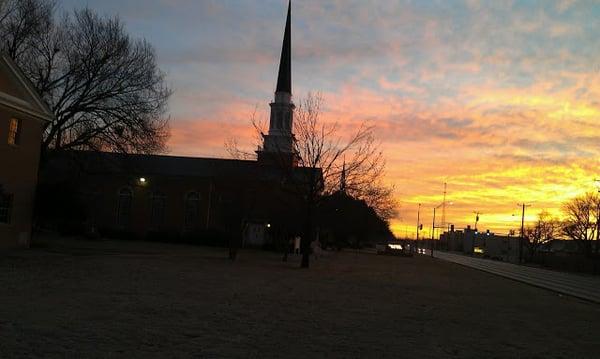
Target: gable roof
18 93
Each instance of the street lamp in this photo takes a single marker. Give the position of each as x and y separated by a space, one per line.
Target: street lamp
418 226
523 205
433 225
597 181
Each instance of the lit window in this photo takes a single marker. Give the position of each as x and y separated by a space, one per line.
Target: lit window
159 202
124 207
6 202
14 131
192 209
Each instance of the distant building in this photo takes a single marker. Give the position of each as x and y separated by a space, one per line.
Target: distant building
23 116
484 244
150 196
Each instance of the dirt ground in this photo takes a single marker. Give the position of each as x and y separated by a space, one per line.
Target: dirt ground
71 299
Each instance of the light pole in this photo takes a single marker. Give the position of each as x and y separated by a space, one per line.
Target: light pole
522 231
418 224
433 225
597 215
433 230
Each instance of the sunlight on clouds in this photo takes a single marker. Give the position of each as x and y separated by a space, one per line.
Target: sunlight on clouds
498 99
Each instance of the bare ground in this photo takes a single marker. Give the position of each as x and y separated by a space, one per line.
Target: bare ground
73 299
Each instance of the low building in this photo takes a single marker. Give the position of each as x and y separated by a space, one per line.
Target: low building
483 244
23 116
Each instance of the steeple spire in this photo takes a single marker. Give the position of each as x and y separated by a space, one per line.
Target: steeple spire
284 80
278 144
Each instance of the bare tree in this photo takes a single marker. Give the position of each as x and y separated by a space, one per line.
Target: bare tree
325 153
545 229
581 215
322 144
22 23
105 89
233 147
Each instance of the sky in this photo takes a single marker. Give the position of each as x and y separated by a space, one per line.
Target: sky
498 99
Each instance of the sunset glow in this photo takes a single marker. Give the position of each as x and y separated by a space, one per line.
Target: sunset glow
500 100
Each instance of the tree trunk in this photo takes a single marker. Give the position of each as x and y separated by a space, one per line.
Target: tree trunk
286 246
308 233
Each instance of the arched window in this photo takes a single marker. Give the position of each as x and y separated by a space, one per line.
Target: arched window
159 203
280 117
192 209
124 206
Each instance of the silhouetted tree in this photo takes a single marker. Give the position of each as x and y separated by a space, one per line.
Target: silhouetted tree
23 23
581 215
545 229
104 87
348 222
361 155
321 148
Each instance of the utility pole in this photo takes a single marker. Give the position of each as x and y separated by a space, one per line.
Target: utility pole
418 225
598 216
433 225
433 231
522 231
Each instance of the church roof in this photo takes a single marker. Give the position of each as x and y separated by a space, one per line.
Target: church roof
61 164
18 93
284 80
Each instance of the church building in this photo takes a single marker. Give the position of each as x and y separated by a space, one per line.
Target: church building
162 197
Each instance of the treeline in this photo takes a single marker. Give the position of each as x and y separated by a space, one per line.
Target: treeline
579 222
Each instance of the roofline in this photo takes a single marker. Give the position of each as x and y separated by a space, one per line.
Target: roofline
16 103
156 155
168 156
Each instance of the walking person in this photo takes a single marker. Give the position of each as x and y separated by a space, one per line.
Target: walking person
297 240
